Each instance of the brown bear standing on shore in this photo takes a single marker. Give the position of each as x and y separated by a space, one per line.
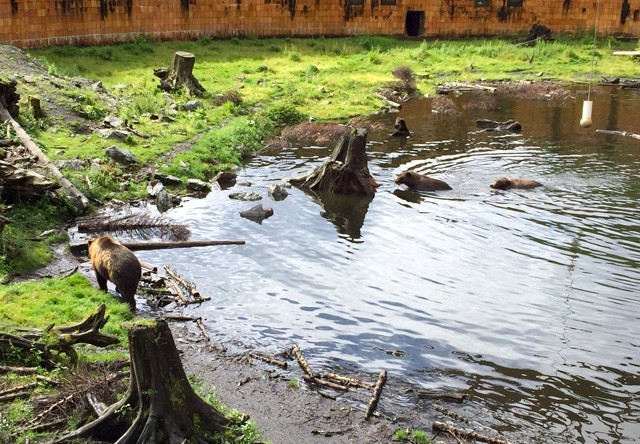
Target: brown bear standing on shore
417 181
116 263
506 183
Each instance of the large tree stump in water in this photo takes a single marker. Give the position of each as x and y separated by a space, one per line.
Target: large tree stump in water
180 75
346 171
168 410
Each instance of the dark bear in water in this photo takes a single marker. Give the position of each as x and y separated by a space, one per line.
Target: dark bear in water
417 181
116 263
507 183
400 128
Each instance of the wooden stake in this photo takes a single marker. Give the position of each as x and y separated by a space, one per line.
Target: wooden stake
375 397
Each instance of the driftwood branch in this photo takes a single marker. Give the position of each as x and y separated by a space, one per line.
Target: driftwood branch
375 397
268 359
466 434
618 133
303 362
74 197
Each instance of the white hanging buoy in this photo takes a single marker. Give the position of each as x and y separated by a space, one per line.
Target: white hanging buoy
587 107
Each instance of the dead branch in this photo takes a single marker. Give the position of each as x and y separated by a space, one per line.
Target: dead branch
375 397
329 384
190 286
347 381
466 434
19 388
268 359
303 362
618 133
139 221
12 396
201 327
23 370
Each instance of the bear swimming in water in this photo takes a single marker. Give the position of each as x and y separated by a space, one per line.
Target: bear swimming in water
115 262
417 181
506 183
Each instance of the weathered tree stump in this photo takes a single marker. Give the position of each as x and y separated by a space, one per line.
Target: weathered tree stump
346 171
166 407
180 75
9 97
36 107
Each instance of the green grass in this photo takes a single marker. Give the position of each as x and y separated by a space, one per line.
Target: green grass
61 302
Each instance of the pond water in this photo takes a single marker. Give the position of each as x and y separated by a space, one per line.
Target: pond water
525 300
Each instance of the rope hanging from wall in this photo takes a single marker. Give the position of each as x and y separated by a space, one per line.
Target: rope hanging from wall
587 105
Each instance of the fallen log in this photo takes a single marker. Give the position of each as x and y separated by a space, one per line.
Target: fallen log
618 133
76 201
268 359
329 384
466 434
347 381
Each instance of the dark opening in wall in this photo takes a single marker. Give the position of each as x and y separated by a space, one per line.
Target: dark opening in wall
414 23
625 12
14 7
515 3
388 2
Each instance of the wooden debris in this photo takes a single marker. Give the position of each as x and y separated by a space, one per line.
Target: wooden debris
388 101
618 133
201 327
466 434
12 396
190 286
180 75
450 87
268 359
143 222
375 397
303 362
329 384
74 197
23 370
347 381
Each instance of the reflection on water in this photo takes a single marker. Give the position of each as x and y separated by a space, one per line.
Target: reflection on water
527 300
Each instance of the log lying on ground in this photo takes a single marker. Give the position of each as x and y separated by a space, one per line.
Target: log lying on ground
77 201
160 393
180 75
346 171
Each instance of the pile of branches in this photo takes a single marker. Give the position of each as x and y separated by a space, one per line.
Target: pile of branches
144 225
162 290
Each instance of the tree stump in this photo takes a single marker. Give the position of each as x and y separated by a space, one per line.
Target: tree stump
180 75
166 407
346 171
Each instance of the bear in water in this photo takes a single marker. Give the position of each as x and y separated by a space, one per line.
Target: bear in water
400 128
417 181
506 183
115 262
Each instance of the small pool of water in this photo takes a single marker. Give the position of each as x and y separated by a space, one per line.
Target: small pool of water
525 300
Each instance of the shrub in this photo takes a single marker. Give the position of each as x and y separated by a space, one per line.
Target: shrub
407 78
284 114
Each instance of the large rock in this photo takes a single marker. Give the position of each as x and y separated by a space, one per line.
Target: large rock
121 156
246 196
198 186
257 213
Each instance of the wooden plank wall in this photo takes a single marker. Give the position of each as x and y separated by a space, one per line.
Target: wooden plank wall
34 23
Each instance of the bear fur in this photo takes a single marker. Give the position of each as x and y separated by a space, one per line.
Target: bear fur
115 262
417 181
507 183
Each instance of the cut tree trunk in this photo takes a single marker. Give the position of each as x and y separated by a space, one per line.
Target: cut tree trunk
346 171
180 75
166 407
